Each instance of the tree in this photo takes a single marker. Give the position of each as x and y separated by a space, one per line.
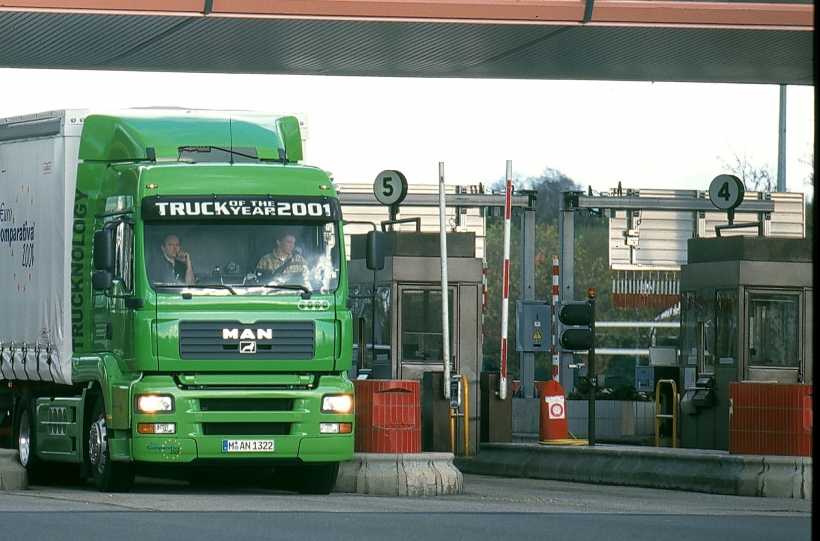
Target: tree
548 186
809 161
758 178
591 270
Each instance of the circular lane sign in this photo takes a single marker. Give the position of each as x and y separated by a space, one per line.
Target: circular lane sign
726 192
390 187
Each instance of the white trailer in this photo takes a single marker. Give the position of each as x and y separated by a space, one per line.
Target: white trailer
38 173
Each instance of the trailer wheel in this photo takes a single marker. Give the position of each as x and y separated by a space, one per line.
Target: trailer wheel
316 478
109 476
25 439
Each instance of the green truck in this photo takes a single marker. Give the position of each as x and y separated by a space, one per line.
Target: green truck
174 298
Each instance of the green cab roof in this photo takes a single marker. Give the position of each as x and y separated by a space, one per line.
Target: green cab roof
127 136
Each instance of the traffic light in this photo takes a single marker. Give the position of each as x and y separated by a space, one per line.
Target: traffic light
578 319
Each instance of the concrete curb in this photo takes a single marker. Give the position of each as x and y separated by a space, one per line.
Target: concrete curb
12 474
400 474
677 469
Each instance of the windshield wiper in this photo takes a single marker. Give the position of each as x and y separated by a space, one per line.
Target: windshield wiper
214 286
195 286
306 293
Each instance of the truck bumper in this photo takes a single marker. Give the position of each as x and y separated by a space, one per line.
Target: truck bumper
170 449
209 422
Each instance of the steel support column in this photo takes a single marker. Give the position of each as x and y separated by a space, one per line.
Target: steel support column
566 278
527 358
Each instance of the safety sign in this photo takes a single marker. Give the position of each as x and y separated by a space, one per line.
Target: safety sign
555 407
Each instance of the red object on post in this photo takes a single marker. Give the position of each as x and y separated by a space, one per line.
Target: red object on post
553 413
388 416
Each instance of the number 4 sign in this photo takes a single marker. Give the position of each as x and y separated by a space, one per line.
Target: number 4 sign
726 192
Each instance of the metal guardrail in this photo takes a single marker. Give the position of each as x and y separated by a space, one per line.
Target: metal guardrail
432 200
668 203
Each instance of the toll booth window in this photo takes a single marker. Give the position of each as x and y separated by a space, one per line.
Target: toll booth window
689 342
726 316
698 329
421 329
371 324
774 330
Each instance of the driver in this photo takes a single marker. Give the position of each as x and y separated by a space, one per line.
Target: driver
173 266
284 259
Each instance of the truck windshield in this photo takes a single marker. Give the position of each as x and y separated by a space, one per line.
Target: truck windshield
249 258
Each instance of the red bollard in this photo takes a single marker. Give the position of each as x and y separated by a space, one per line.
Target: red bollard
553 425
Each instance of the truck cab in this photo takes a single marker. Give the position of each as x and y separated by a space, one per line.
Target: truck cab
198 342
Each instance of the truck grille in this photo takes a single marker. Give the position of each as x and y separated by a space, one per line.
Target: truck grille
246 404
231 340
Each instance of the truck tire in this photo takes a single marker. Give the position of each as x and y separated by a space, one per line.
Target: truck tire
25 440
109 476
316 478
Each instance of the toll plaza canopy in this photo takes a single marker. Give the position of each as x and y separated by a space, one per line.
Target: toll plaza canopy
758 41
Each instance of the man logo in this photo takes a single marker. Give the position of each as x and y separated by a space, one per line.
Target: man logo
247 347
247 334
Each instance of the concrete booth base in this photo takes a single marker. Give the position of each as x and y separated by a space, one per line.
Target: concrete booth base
400 474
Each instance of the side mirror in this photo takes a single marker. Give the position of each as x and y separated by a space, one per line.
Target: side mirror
374 250
102 280
104 250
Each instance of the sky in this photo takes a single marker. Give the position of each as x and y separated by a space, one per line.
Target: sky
598 133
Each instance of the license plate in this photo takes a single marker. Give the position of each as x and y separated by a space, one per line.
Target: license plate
247 446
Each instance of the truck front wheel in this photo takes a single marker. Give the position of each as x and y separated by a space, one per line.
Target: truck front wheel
109 476
316 478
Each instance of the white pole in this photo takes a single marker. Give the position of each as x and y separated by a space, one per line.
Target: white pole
445 309
505 302
781 143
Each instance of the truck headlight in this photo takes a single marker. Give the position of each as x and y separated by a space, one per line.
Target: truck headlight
337 403
154 403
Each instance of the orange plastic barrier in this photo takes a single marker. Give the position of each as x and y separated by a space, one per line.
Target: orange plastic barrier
388 416
770 419
553 413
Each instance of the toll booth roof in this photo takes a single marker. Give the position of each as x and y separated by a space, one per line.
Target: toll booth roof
739 248
417 244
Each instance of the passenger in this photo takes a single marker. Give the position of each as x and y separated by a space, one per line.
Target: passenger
174 266
286 259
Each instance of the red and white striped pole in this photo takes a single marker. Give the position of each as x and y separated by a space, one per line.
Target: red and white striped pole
555 357
505 284
505 303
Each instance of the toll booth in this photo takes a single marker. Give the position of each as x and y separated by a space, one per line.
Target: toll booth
746 315
398 323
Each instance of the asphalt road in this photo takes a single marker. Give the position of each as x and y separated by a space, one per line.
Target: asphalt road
491 508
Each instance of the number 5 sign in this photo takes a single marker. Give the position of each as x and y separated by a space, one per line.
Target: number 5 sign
726 192
390 187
